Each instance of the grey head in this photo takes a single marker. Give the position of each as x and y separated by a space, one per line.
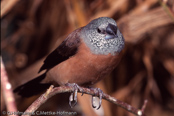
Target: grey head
102 36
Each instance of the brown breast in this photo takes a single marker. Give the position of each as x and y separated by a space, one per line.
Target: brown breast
84 68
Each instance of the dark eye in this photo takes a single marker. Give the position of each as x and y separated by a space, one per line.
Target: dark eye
101 31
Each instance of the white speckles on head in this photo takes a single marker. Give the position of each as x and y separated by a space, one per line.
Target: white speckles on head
97 42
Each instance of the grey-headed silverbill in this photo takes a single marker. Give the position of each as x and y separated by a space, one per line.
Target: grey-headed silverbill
87 55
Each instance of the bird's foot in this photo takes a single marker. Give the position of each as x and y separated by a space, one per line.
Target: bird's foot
99 92
73 94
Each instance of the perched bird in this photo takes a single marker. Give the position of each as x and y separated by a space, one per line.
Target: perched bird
83 58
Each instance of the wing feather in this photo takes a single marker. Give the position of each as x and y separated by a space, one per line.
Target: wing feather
66 49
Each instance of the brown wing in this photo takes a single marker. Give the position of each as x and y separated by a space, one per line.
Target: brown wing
65 50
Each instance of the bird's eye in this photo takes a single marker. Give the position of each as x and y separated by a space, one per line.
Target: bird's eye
101 31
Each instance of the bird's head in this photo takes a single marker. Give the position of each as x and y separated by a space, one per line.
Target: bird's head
102 36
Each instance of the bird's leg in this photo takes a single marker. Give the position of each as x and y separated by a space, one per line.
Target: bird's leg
99 92
73 94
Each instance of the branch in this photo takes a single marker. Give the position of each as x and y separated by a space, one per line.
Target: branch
7 91
63 89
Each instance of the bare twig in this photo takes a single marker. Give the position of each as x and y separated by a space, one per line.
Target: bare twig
144 105
7 91
63 89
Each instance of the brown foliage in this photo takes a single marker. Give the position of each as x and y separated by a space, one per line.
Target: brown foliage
30 29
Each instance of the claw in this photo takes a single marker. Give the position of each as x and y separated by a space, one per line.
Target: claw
82 94
93 101
74 93
100 97
100 93
70 100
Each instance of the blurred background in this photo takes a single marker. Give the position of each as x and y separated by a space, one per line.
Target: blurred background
31 29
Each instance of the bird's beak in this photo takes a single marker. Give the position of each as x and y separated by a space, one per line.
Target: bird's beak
111 32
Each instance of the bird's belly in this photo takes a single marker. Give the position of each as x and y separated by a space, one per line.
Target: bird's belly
84 68
82 71
79 72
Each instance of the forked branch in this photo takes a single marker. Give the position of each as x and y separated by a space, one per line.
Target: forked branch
63 89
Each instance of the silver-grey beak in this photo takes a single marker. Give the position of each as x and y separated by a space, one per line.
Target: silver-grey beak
111 32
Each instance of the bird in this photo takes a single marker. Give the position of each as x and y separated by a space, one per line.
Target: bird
85 57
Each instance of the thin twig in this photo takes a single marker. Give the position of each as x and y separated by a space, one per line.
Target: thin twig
63 89
7 91
144 105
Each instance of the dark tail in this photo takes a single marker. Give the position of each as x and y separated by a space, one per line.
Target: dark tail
32 87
